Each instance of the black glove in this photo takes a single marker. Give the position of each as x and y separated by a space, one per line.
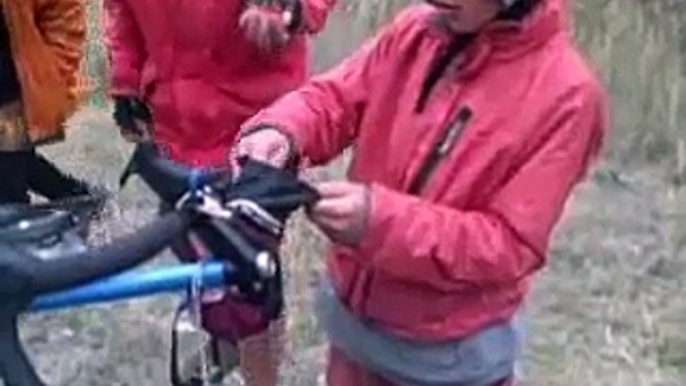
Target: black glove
133 117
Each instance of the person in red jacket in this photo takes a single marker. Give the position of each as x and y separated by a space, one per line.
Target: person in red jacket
471 121
201 69
186 74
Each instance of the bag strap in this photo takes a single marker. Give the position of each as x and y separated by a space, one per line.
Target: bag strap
174 373
191 304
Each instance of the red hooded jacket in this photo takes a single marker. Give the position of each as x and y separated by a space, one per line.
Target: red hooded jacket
191 62
466 192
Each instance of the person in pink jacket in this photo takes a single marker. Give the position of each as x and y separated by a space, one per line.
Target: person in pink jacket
186 74
471 121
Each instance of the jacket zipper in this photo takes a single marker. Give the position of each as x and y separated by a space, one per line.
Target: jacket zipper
441 148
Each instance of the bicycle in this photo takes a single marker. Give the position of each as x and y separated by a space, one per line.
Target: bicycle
239 220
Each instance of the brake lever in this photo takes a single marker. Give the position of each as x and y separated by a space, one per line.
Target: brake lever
263 261
211 206
249 210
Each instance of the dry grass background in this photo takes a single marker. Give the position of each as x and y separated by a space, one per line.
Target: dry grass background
608 310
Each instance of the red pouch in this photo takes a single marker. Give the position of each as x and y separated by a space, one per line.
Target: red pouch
233 319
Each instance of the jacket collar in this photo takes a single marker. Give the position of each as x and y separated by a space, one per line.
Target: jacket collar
506 40
512 38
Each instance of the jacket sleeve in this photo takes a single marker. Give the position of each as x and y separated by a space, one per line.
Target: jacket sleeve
322 117
507 239
316 13
63 26
126 47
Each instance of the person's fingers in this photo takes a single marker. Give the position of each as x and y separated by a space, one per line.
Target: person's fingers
265 28
234 165
278 33
263 37
338 200
277 38
330 227
244 24
282 38
334 208
337 231
341 211
278 154
273 153
250 22
245 147
328 189
268 145
255 148
258 29
331 189
257 35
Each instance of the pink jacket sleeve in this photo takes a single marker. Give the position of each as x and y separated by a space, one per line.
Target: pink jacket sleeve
507 240
322 116
126 47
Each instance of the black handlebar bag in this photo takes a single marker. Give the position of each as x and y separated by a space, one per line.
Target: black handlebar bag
261 199
41 249
270 195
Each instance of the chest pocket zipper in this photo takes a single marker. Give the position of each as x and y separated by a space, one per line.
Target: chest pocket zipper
441 148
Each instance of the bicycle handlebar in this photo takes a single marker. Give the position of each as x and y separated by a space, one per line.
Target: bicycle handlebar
43 276
229 231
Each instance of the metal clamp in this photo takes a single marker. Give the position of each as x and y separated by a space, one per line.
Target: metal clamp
246 209
257 214
195 309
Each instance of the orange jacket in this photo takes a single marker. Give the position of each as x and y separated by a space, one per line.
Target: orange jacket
47 38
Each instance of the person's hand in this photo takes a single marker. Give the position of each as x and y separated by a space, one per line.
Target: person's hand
266 145
133 118
342 211
269 24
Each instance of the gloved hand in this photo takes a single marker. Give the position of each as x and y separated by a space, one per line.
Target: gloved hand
268 145
133 118
271 23
342 212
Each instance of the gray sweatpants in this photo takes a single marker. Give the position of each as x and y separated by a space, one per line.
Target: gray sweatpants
483 359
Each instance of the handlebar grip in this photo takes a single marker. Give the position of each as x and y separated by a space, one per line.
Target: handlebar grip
168 179
15 367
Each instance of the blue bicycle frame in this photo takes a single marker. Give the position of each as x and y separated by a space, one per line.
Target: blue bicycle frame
137 284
